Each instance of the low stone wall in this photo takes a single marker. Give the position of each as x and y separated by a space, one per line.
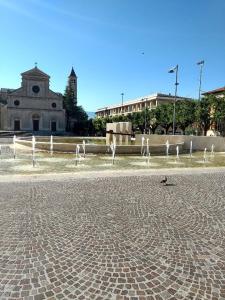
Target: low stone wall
92 148
198 142
156 144
5 140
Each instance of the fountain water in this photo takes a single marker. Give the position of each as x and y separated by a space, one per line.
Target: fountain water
113 149
98 160
190 148
147 147
212 150
77 154
14 147
204 155
167 148
177 150
51 145
84 148
147 151
142 145
33 150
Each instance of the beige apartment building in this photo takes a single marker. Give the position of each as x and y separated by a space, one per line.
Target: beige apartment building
137 105
220 92
33 106
219 128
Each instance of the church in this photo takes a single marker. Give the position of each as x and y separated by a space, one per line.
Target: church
34 106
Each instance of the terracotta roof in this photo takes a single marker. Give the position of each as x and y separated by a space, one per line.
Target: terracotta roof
216 91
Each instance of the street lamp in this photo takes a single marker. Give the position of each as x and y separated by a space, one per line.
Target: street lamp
174 70
106 111
145 99
122 94
201 64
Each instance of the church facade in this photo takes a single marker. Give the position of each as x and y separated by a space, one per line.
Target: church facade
33 106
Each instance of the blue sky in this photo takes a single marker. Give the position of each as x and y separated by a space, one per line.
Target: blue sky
105 40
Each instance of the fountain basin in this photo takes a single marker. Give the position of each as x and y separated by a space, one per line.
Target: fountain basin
67 162
102 149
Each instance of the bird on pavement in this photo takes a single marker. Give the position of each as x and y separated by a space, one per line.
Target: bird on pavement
164 181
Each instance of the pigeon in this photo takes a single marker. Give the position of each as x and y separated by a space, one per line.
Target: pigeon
164 180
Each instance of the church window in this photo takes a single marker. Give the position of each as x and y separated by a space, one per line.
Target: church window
16 102
36 89
54 105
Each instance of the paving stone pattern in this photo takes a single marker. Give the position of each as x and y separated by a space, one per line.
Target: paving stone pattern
113 238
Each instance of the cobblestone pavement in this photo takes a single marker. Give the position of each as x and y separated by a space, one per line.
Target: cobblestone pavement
113 238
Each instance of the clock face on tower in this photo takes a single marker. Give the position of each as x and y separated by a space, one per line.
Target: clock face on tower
35 89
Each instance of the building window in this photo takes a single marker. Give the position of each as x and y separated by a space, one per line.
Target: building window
16 102
54 105
35 89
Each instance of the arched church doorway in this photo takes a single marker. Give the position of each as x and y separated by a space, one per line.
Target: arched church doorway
35 120
16 125
53 125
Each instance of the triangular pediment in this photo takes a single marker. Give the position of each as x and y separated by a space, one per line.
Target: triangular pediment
18 91
35 72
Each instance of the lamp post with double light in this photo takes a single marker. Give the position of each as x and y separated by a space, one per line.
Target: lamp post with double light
122 94
201 64
174 70
144 100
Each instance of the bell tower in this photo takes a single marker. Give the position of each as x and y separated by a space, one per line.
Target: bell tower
72 85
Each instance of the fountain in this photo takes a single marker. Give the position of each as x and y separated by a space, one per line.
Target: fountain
167 148
190 148
113 149
177 150
142 145
84 148
51 145
14 147
80 148
147 151
212 150
33 150
77 154
147 147
204 155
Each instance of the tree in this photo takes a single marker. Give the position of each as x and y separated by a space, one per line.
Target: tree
90 127
164 115
76 117
80 120
99 125
69 106
218 112
153 120
185 113
138 121
119 118
203 113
